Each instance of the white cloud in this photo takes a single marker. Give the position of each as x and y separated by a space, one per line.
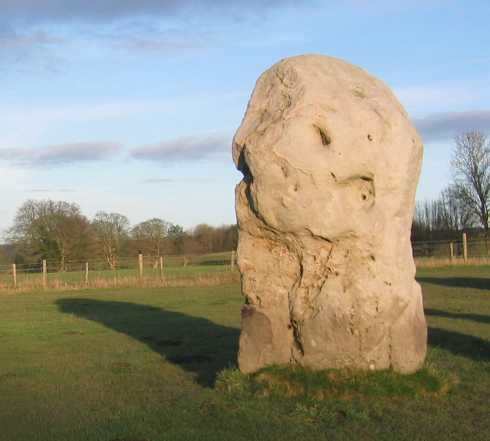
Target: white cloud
61 154
444 126
185 149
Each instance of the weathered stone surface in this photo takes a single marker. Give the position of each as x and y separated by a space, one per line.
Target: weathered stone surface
330 164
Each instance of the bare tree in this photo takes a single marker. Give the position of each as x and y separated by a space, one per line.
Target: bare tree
471 171
4 258
111 230
459 216
151 236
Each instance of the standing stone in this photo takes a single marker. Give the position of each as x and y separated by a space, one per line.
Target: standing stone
330 164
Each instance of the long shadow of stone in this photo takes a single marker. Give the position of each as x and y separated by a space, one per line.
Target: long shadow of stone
468 346
458 315
457 282
194 343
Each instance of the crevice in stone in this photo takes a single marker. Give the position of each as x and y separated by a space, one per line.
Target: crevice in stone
358 92
297 336
390 350
325 137
318 236
243 167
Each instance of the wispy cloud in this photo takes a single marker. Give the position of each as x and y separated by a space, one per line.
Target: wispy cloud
444 126
14 118
430 98
13 40
47 49
61 154
44 35
81 10
33 45
51 190
138 37
172 181
184 149
159 181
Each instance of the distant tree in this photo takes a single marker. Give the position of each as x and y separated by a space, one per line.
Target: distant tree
54 230
458 214
225 238
111 230
175 240
231 238
441 218
207 239
151 236
4 259
471 172
203 235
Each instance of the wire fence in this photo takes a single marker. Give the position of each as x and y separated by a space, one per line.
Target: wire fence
192 270
209 269
455 252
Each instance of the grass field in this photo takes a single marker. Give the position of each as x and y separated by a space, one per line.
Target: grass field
147 364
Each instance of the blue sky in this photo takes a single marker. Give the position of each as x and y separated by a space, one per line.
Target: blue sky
130 106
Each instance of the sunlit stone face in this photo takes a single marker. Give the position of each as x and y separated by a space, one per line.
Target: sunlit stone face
330 164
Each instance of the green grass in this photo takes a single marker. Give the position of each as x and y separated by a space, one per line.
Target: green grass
158 364
293 382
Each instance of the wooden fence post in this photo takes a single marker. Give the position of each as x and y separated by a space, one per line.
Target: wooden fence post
140 266
161 267
465 248
232 263
86 273
45 274
451 251
14 274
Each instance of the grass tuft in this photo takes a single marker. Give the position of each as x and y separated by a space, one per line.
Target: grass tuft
300 382
231 381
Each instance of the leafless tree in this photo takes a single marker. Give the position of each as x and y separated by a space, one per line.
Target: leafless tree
151 236
471 172
459 216
111 230
4 260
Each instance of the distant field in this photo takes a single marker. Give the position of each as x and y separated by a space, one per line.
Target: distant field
141 364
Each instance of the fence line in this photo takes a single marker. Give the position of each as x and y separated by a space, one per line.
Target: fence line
465 250
123 272
180 270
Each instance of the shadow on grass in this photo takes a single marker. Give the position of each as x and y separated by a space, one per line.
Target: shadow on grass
465 345
194 343
458 315
457 282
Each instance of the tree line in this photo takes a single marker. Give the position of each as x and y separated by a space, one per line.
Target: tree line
58 231
465 203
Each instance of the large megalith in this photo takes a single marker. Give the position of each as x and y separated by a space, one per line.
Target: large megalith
330 164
